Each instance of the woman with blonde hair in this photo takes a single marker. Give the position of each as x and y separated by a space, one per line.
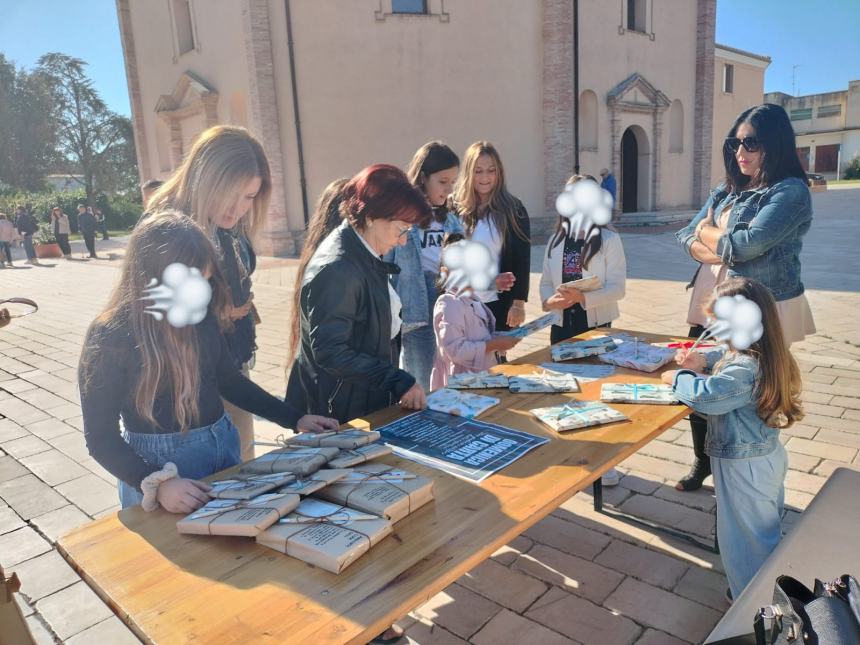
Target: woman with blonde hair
165 383
497 219
224 184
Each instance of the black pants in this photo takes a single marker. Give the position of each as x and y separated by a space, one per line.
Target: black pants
90 241
500 309
63 241
698 423
558 334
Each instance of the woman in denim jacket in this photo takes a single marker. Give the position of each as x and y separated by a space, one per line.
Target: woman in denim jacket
751 394
752 226
433 170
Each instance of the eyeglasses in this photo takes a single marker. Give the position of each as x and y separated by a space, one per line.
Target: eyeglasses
401 231
750 144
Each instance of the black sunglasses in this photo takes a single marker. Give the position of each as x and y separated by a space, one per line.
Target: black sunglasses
750 144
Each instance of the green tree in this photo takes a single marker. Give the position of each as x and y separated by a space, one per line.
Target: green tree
89 134
27 132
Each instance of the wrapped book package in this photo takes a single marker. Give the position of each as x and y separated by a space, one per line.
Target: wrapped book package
247 486
313 482
326 535
349 438
233 517
300 461
382 490
347 458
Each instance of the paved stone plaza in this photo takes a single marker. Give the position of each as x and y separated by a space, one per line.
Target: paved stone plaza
574 577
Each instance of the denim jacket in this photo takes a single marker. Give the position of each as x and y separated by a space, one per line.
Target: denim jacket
410 284
728 398
764 233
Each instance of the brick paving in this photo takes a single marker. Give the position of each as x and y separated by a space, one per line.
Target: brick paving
575 577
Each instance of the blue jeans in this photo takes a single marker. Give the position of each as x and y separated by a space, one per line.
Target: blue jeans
419 345
29 249
197 453
750 494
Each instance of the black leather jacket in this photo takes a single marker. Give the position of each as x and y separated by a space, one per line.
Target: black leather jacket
347 363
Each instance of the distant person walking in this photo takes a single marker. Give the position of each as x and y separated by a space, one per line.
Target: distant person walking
7 233
62 229
87 226
607 182
101 221
27 226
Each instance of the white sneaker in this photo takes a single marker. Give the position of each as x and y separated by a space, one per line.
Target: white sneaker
611 477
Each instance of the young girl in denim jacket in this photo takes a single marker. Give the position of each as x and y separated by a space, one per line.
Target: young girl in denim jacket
750 395
465 331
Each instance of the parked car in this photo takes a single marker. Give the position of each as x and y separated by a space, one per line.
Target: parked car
814 179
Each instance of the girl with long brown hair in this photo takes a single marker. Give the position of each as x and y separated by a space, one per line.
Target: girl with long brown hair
751 394
225 185
325 219
433 170
497 219
165 383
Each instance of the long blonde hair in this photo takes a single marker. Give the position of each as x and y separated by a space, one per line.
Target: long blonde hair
779 385
503 207
169 356
212 176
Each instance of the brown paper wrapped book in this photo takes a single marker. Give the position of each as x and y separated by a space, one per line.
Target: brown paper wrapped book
382 490
232 517
349 438
300 461
312 483
347 458
248 486
326 535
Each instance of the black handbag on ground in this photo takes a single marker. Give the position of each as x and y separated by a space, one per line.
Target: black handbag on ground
829 615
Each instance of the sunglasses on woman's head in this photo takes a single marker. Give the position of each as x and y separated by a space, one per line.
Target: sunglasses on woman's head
750 144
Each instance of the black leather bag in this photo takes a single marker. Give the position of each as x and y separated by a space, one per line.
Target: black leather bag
829 615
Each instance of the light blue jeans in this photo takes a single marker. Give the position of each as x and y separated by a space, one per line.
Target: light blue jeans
419 345
750 495
29 249
197 453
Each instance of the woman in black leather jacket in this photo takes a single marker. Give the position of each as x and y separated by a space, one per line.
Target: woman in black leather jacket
350 316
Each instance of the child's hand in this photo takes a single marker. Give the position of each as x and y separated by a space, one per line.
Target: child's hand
668 377
316 423
414 399
694 360
501 343
564 298
505 281
180 495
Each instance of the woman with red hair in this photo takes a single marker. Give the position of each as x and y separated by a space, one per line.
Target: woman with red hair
350 314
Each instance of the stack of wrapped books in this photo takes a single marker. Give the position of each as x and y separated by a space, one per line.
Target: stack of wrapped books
248 486
381 490
300 461
637 393
347 458
348 438
544 382
638 355
461 404
584 372
591 283
330 536
577 414
233 517
477 381
312 483
582 348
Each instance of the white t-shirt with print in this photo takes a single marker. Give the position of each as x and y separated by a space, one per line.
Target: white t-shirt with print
431 246
487 234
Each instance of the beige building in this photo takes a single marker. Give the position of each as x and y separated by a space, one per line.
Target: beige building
331 86
827 128
738 85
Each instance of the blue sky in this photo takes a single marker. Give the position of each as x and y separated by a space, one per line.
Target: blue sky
821 37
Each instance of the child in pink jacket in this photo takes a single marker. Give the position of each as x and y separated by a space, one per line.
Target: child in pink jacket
463 325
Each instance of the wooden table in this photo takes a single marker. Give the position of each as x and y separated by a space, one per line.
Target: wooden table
172 588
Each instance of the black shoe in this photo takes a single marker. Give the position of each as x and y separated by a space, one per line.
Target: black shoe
693 481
